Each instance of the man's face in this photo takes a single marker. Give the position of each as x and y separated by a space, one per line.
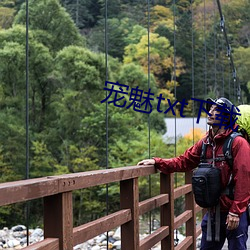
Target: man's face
211 120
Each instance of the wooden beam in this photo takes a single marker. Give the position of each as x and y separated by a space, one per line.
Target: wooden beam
190 205
167 210
98 177
58 219
46 244
185 244
182 218
129 197
104 224
154 238
198 231
19 191
152 203
182 190
24 190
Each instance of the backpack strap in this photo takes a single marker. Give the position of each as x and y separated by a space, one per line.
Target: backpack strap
227 151
227 148
203 152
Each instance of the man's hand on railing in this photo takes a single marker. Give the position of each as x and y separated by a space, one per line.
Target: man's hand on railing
146 162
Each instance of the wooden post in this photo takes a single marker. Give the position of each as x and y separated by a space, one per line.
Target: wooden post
129 198
167 210
58 219
190 205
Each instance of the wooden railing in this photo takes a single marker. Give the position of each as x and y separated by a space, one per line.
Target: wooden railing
56 192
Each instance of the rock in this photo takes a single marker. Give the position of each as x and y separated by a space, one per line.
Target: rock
117 245
100 238
38 232
111 233
111 239
18 228
13 243
103 243
95 248
117 235
3 233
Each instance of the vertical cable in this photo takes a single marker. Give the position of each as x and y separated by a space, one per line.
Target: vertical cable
205 50
230 57
106 78
215 52
149 153
222 70
174 74
192 24
175 94
27 207
77 13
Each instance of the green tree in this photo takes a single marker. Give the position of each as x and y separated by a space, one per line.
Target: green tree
53 25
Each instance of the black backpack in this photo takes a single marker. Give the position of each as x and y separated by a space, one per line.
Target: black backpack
206 180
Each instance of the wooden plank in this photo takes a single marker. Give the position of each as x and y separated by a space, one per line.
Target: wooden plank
58 219
182 190
152 203
198 231
167 210
24 190
185 244
46 244
154 238
129 196
182 218
190 205
94 178
90 230
198 208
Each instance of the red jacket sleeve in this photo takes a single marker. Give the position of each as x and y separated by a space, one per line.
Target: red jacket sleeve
185 162
241 175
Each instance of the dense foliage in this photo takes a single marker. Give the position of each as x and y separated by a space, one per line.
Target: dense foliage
67 72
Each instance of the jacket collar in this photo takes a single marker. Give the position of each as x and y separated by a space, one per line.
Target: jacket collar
221 136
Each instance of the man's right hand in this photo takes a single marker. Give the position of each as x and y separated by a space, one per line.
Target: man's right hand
146 162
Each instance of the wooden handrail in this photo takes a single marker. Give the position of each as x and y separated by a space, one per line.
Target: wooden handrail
58 208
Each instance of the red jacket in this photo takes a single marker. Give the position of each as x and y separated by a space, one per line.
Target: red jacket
241 167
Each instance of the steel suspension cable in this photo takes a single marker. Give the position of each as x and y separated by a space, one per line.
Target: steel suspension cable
192 74
229 53
149 142
205 49
215 52
27 207
175 94
107 120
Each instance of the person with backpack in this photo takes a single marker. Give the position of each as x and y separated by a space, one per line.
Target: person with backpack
223 160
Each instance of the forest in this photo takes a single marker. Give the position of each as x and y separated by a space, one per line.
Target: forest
174 48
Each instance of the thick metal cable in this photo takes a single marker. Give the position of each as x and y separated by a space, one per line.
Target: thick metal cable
174 74
149 153
27 207
205 50
77 13
229 53
175 93
107 125
215 51
192 76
